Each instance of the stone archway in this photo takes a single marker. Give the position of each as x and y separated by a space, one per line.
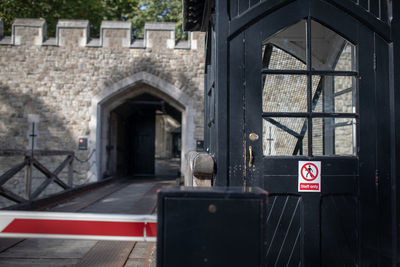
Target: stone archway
129 87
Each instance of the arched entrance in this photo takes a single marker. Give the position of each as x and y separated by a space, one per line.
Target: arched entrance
143 139
136 108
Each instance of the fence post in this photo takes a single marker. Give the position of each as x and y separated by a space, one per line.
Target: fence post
71 170
28 178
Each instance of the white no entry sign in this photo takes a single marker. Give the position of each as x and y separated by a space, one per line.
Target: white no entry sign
309 176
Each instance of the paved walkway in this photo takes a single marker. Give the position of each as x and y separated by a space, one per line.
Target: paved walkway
138 197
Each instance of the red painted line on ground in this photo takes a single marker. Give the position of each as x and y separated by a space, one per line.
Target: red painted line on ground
151 229
68 227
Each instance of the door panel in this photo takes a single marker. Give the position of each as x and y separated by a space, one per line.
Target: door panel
339 235
321 123
142 148
280 174
284 230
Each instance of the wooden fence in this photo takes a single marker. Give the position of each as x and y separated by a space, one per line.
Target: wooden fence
30 161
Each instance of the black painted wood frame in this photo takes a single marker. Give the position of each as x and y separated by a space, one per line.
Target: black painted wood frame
230 152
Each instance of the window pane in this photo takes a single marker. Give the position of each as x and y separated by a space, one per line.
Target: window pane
335 94
331 51
284 136
316 94
286 49
280 60
334 136
284 93
346 61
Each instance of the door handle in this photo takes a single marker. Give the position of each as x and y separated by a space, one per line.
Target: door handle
251 157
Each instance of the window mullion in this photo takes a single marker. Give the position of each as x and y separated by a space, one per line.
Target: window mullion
309 85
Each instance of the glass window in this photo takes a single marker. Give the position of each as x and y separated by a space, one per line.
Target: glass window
286 49
346 61
336 94
284 93
309 103
334 136
330 51
285 136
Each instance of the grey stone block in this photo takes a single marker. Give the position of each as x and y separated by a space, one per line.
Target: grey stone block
72 32
115 34
159 26
28 31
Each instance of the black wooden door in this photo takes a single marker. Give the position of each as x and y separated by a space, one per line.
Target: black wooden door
142 147
305 79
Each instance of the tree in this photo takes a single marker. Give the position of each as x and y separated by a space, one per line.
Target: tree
51 11
158 11
135 11
123 10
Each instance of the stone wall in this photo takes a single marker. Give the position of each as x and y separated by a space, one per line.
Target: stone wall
65 79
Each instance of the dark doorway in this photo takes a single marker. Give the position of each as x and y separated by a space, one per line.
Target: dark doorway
140 142
143 138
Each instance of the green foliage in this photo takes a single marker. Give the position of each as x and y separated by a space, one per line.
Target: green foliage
135 11
51 11
158 11
123 10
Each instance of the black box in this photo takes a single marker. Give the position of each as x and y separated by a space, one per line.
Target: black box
199 145
83 144
211 227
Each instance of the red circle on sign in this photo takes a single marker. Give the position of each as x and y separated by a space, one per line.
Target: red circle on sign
313 176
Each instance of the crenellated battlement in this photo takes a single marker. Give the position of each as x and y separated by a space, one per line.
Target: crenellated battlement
115 34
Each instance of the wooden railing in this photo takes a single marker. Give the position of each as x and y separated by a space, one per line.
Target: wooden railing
30 161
